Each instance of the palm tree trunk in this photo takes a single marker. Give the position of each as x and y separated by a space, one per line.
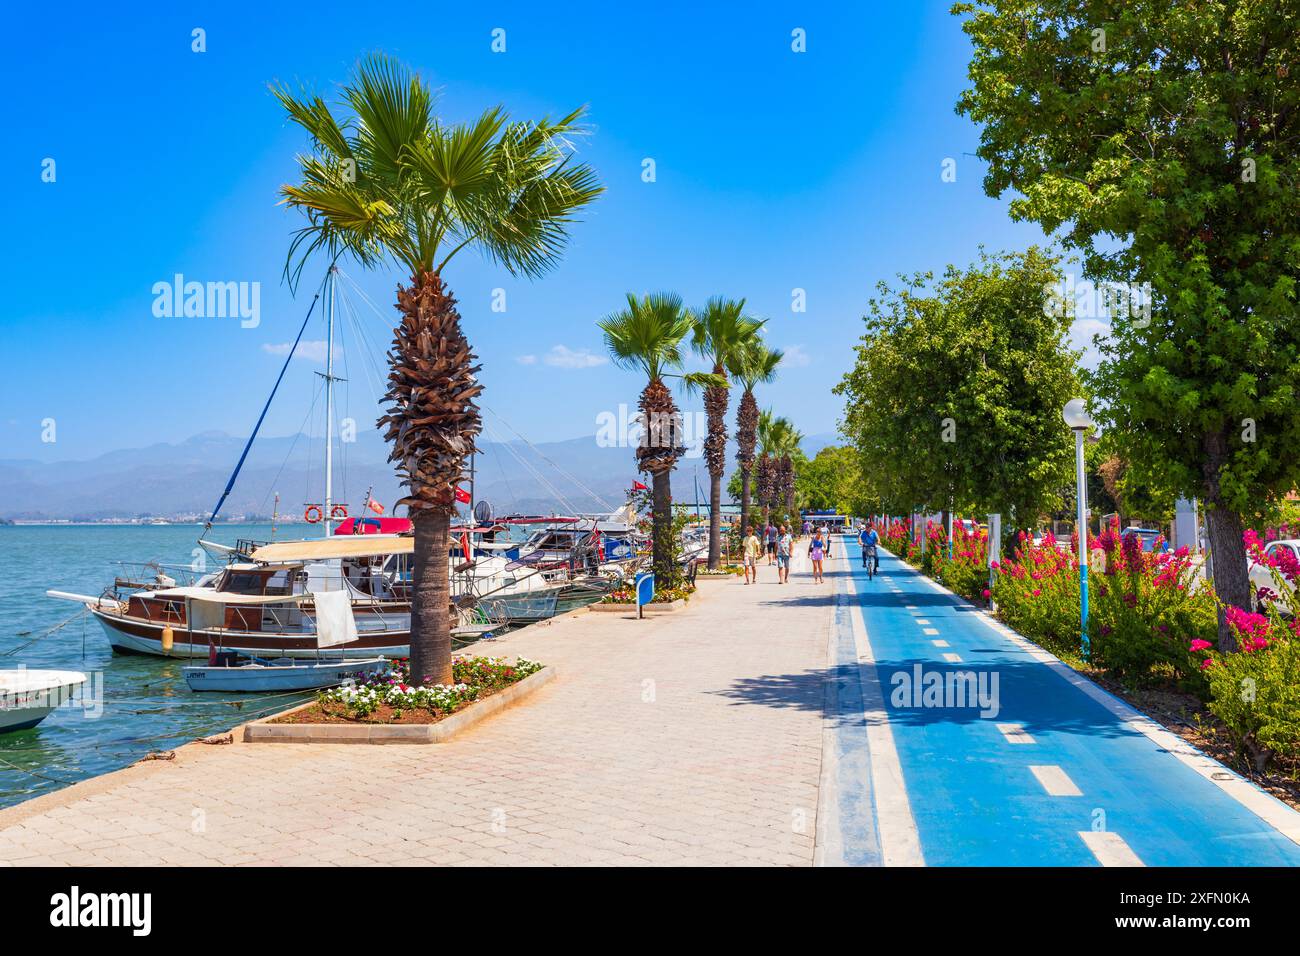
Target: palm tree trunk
662 558
431 599
715 522
744 502
432 422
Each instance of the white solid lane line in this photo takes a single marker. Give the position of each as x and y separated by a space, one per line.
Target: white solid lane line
1015 734
1109 848
1055 781
900 843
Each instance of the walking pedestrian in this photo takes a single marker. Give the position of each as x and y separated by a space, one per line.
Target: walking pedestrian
771 542
752 549
817 551
784 548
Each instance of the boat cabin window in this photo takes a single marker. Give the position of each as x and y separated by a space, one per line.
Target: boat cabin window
245 582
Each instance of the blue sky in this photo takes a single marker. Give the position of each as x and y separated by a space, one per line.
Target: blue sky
775 170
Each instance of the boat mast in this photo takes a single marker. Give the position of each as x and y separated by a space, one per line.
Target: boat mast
329 400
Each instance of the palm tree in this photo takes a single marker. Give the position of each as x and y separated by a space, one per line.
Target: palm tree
778 443
387 181
722 333
790 439
750 366
768 463
647 337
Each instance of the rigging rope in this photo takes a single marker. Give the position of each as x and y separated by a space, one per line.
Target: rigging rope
265 408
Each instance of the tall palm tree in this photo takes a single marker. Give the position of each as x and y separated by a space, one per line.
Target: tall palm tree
753 365
768 463
388 181
789 441
647 337
722 332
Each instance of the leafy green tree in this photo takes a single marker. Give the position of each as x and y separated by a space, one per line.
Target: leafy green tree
955 399
1160 139
385 181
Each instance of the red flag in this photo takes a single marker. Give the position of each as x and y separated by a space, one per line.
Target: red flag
600 547
637 486
462 496
464 545
375 506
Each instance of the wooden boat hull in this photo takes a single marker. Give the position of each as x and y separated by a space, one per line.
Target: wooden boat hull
133 636
309 675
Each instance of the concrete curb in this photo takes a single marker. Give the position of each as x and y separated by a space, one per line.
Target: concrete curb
264 731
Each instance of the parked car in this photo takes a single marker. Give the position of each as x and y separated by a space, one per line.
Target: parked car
1262 577
1150 538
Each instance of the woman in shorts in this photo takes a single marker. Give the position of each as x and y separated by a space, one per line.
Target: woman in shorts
817 551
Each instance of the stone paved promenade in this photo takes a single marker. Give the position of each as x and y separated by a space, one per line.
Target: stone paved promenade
690 738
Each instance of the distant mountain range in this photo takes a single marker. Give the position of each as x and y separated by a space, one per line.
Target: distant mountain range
186 479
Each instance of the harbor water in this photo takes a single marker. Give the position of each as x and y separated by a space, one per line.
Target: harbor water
134 705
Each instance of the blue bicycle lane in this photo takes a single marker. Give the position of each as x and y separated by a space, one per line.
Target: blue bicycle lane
1039 772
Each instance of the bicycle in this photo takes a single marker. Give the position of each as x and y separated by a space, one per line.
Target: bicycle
870 561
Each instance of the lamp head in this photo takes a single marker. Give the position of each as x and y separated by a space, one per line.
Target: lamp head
1075 414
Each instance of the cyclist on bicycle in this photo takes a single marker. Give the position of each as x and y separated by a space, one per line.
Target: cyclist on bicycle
868 538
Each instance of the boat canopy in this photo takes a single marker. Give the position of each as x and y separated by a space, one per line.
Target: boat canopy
320 549
213 596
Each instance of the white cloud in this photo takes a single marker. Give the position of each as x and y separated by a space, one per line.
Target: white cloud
526 359
796 356
309 350
561 356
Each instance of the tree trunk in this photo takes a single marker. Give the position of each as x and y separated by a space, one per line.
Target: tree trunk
662 558
715 522
431 599
744 502
1231 570
1227 547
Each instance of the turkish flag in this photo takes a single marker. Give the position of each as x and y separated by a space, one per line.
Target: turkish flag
637 486
462 496
376 507
464 545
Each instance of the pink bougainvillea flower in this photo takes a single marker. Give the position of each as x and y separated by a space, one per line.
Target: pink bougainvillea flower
987 592
1200 645
1205 664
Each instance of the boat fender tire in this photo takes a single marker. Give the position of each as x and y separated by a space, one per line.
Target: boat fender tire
168 640
339 511
313 514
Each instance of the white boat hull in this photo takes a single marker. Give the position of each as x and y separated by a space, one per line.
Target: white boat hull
252 678
29 696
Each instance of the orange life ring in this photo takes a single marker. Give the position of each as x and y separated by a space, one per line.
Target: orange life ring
313 510
338 511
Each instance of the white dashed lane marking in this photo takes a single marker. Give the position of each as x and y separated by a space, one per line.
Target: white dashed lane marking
1015 734
952 658
1109 848
930 631
939 643
1055 781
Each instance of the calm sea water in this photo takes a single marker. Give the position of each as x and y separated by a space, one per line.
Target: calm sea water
139 704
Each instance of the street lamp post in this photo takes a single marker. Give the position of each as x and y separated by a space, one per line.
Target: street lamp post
1075 414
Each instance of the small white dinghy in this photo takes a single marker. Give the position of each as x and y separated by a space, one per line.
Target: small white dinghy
284 673
28 696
